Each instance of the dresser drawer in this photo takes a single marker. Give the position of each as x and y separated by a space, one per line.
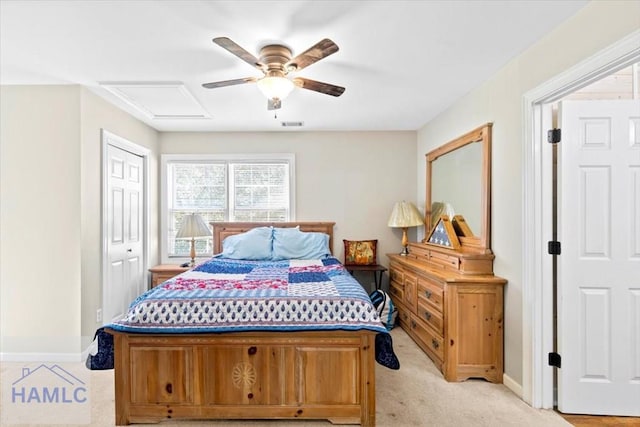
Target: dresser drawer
404 317
435 257
431 316
430 292
395 273
431 340
396 289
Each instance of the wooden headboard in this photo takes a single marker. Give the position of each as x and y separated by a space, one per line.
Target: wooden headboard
222 230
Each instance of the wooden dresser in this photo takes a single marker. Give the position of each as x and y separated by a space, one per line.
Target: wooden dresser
451 305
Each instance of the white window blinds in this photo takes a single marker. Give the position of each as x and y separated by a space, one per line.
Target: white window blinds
223 189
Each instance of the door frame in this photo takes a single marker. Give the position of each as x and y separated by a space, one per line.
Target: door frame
114 140
537 295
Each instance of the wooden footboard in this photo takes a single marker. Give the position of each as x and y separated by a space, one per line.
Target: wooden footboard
249 375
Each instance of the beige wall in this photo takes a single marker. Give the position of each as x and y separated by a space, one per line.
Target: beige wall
352 178
98 114
499 100
50 195
40 240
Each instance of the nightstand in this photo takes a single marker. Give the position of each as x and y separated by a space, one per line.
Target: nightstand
376 269
163 272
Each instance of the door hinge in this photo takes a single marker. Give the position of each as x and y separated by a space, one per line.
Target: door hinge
554 247
554 135
555 360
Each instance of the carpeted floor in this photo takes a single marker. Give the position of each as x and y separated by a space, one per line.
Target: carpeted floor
415 395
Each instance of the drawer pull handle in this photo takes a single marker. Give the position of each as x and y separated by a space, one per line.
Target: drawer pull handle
169 388
413 324
252 350
427 315
435 344
428 294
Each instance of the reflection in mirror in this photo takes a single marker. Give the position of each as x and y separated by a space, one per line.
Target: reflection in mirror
456 185
459 183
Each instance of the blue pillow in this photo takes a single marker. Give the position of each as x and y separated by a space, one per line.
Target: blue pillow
291 243
254 244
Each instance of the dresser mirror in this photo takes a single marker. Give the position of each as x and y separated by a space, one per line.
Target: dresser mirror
458 183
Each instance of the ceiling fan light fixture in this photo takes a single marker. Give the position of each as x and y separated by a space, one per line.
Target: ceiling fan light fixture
274 87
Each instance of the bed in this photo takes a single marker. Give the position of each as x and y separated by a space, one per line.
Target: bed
256 366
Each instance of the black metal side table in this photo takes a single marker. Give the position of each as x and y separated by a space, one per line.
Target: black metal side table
377 269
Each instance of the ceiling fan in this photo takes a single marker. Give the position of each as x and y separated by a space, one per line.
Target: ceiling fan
276 63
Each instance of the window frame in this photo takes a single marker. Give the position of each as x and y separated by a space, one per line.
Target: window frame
167 159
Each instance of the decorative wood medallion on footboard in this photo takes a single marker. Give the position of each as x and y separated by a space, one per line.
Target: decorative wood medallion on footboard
266 375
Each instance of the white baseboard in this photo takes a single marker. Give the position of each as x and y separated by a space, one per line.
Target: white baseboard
41 357
512 385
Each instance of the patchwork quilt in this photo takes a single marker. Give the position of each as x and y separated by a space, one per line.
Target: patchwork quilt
228 295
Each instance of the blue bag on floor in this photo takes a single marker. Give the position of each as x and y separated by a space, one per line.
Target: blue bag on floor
386 310
102 357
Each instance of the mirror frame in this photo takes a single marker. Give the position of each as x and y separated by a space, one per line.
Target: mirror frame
482 135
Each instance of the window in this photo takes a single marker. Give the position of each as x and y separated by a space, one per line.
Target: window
223 188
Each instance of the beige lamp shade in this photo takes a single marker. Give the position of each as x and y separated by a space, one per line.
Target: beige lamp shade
405 215
193 227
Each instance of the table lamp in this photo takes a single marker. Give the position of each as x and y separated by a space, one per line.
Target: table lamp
405 215
193 227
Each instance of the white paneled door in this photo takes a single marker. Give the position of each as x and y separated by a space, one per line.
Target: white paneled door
599 267
125 274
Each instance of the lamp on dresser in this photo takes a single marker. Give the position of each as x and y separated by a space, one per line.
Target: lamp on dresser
405 215
193 227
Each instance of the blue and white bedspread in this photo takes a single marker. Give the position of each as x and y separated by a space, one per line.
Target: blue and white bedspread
227 295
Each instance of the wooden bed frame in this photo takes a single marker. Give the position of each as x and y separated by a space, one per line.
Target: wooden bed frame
246 375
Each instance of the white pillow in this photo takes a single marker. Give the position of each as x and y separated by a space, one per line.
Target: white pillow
255 244
291 243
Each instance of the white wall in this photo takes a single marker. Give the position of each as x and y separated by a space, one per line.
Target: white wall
500 101
40 219
352 178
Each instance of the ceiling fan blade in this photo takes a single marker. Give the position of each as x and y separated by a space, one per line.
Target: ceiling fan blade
321 87
238 51
274 104
233 82
315 53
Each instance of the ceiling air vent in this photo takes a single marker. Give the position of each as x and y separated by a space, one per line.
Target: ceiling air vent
292 124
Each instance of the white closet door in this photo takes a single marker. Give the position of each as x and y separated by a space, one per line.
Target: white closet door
125 274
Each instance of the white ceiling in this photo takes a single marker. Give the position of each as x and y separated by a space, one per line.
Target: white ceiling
402 62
